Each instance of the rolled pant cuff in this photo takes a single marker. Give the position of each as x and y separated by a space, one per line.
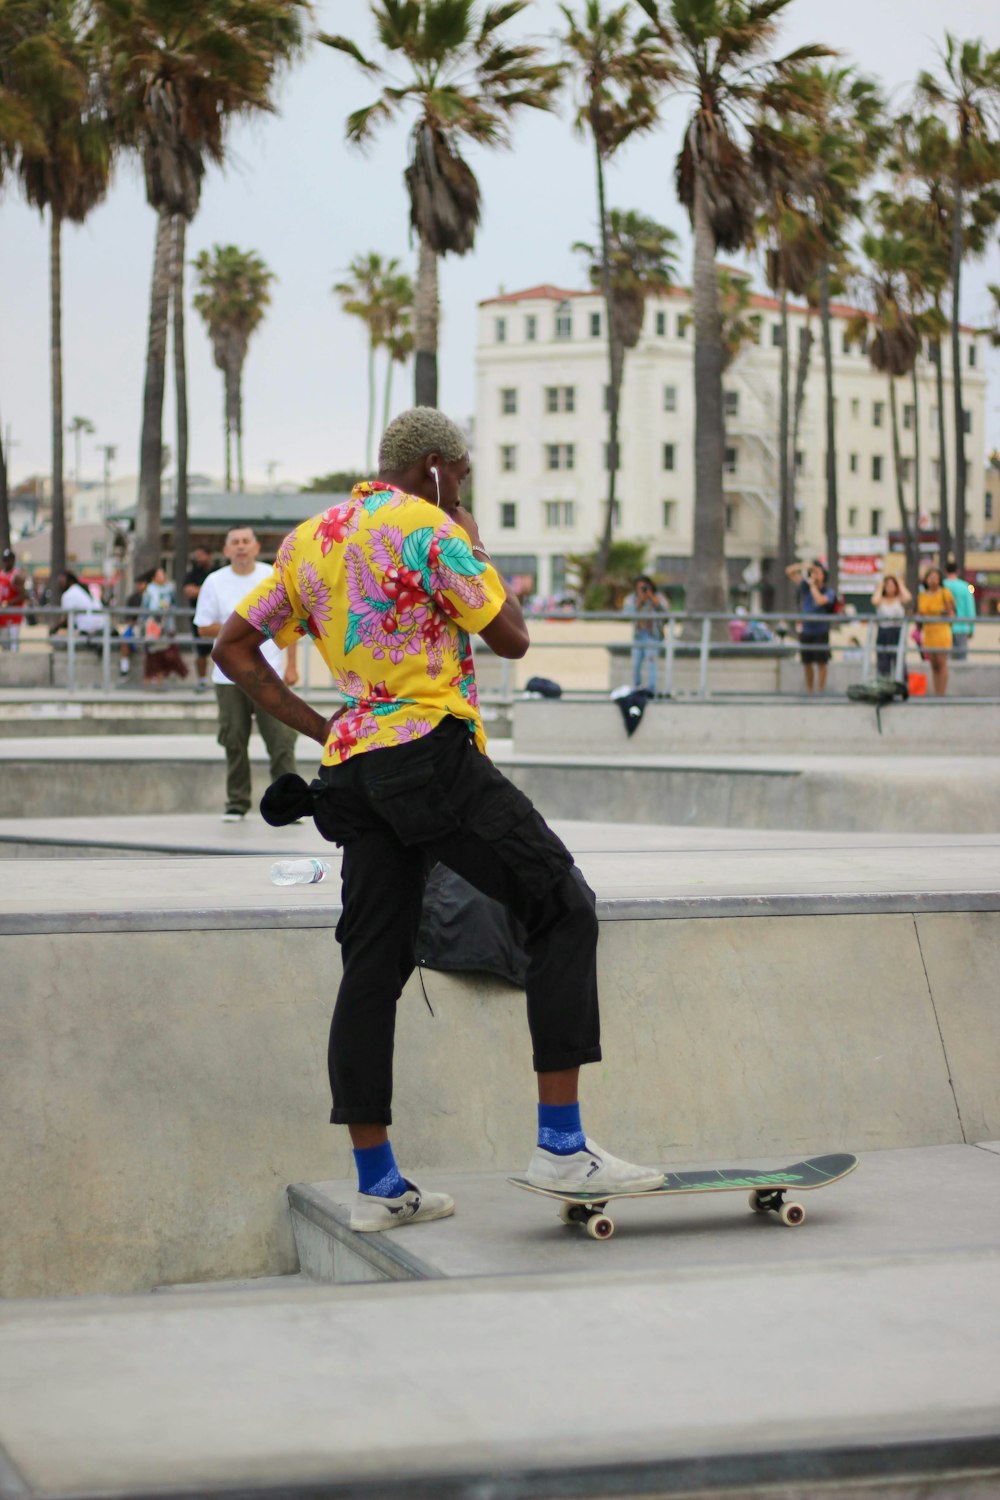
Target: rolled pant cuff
556 1062
363 1115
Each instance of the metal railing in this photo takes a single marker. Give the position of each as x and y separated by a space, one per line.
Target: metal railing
702 639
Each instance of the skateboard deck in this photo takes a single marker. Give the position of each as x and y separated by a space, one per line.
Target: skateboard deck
768 1190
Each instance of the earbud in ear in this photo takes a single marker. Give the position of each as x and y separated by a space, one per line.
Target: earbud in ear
437 484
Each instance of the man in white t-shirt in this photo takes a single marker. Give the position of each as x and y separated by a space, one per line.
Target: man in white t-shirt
219 596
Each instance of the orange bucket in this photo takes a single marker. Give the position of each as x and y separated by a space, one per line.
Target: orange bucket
917 684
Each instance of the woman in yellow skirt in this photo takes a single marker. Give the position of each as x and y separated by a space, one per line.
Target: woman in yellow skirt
935 641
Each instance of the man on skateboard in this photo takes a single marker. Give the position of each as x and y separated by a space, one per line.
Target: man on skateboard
389 586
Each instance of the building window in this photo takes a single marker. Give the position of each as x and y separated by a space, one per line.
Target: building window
530 328
878 413
852 518
852 463
661 324
669 514
500 330
508 401
906 470
988 506
732 403
508 515
909 418
669 398
846 342
729 461
564 321
800 461
876 526
877 468
559 455
776 335
683 321
607 456
966 420
558 514
855 406
560 398
595 325
668 456
508 458
972 356
732 516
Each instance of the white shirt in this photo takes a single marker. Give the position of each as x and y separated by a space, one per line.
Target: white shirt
80 602
219 596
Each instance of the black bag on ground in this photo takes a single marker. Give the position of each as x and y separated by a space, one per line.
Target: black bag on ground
880 690
543 686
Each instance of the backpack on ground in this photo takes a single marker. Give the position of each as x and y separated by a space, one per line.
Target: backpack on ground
879 691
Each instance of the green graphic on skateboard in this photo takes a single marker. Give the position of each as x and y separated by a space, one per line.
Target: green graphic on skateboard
769 1191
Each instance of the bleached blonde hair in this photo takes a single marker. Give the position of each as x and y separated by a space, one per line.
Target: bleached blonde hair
415 433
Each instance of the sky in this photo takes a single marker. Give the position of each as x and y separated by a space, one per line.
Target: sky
296 193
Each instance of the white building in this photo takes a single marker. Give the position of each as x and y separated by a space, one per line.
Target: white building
541 435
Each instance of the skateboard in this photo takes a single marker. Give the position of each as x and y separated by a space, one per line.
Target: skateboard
768 1190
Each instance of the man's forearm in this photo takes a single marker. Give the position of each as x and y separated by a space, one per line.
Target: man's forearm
249 671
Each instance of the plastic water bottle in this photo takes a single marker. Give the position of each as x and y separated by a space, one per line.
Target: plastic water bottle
299 871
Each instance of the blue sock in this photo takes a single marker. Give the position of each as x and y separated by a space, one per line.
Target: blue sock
378 1173
559 1129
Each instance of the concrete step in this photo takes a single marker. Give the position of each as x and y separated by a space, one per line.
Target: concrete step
911 1202
817 1379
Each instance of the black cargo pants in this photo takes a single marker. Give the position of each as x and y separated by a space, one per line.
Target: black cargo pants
396 812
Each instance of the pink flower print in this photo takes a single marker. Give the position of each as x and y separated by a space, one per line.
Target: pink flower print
357 724
337 523
413 729
285 551
316 598
271 611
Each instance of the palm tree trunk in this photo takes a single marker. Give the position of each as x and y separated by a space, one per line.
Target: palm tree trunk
386 407
707 584
148 528
616 365
832 531
227 428
4 498
956 371
371 404
906 520
801 376
181 525
785 512
425 318
944 528
237 420
916 443
57 554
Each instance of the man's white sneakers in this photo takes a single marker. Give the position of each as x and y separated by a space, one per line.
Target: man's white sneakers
370 1213
591 1170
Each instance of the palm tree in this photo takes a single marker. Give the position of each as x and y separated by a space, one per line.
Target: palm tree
465 83
398 334
890 287
724 70
636 259
179 71
620 74
232 298
377 293
969 95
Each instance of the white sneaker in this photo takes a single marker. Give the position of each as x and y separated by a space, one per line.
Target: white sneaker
591 1170
233 817
370 1213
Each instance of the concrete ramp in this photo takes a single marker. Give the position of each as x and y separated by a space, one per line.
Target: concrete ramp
163 1031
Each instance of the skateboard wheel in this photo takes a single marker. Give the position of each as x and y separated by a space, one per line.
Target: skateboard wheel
792 1214
756 1204
600 1227
566 1213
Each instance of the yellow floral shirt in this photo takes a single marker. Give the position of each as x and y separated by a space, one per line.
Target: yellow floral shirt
390 591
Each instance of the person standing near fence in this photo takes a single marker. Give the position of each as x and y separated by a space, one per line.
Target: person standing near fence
12 592
221 592
965 610
817 600
647 606
162 658
935 636
891 600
